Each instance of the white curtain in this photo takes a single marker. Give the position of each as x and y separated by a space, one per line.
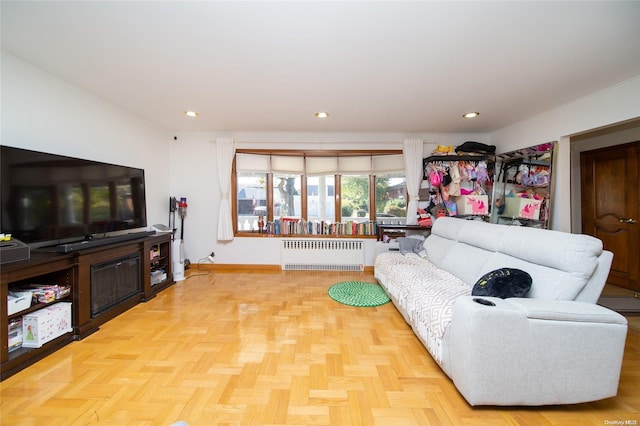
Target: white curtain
226 150
412 152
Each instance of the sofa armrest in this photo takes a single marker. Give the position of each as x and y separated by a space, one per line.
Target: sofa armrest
591 291
535 352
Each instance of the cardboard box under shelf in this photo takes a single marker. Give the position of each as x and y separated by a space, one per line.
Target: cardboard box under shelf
46 324
523 208
472 204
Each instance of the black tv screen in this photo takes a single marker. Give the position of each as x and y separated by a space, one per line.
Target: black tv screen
54 198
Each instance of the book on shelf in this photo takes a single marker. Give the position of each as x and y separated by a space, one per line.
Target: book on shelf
299 226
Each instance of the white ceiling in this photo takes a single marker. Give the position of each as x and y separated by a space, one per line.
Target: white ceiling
410 67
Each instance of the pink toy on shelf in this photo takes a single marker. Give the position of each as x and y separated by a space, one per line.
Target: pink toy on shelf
477 205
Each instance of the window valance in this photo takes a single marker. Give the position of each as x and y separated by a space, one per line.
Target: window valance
319 165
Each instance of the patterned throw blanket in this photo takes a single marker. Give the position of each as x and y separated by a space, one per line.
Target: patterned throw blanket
425 293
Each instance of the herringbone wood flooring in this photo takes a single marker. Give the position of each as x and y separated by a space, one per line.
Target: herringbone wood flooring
267 348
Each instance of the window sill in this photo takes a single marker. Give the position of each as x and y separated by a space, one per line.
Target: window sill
259 235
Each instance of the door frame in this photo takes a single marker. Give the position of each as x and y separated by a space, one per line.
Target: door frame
634 272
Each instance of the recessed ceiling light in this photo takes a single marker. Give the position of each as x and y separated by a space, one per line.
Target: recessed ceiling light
322 114
471 114
191 113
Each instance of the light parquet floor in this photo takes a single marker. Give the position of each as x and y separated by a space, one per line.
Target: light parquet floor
267 349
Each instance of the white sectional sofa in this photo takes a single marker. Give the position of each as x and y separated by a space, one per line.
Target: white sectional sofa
554 346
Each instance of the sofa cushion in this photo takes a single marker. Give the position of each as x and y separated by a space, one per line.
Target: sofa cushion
424 293
560 263
465 261
548 283
576 254
503 283
476 233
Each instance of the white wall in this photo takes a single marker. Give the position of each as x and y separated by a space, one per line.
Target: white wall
616 104
44 113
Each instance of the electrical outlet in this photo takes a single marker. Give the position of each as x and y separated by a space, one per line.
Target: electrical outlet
210 257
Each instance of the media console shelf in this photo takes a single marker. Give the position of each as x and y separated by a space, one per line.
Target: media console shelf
105 281
39 269
157 266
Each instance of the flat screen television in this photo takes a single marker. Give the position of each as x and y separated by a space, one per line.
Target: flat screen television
49 198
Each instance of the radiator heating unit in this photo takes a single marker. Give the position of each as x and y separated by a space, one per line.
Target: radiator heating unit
322 255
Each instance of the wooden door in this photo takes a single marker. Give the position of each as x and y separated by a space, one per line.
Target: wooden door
610 187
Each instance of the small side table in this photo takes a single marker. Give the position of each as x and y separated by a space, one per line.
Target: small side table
398 230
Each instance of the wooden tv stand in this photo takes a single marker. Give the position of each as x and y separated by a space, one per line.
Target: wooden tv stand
142 257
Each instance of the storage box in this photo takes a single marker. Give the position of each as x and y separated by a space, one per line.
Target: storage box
46 324
524 208
14 336
473 204
18 301
158 276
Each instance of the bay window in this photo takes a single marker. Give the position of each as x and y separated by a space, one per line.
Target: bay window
326 193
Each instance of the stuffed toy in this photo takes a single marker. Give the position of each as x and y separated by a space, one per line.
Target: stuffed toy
443 150
424 219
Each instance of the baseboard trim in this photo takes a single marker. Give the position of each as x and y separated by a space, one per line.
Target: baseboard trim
234 267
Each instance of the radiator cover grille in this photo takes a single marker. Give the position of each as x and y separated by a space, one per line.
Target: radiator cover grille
322 255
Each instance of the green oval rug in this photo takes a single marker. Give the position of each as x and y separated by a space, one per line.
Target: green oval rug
358 293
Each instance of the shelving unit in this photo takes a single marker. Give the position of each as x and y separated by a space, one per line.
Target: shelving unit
477 207
536 161
38 270
128 267
157 267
